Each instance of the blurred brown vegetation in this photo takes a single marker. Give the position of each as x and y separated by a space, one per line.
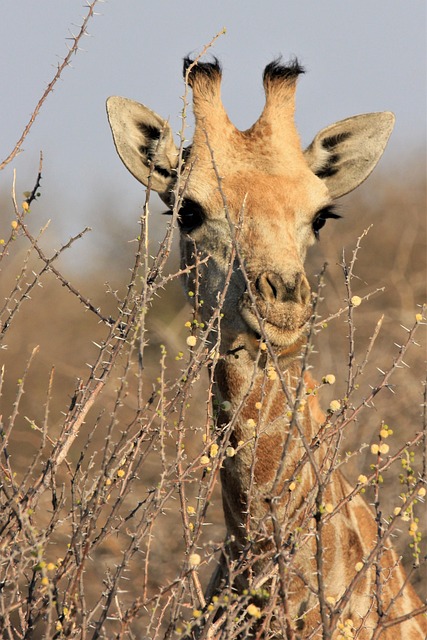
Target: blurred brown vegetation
393 256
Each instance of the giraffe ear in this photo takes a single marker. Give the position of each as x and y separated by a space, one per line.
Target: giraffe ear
345 153
144 142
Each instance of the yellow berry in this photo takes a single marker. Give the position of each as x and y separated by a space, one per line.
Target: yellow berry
194 560
14 224
384 448
191 510
292 486
329 379
254 611
421 492
191 341
213 450
384 433
335 405
418 317
329 507
374 448
121 473
230 452
358 566
355 301
362 479
271 373
204 460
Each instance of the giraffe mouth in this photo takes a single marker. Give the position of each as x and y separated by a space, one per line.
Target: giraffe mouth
281 324
277 307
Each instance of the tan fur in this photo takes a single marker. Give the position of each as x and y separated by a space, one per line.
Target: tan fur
268 187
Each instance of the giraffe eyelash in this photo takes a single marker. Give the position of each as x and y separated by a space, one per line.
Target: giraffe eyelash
321 217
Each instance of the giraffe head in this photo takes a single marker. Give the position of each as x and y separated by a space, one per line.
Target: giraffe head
256 189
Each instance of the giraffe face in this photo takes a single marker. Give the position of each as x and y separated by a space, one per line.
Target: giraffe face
250 202
266 225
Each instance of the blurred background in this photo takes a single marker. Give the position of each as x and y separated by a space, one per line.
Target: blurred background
359 56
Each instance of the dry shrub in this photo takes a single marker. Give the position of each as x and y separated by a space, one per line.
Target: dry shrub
111 515
105 491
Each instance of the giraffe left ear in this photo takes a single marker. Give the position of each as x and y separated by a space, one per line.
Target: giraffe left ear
345 153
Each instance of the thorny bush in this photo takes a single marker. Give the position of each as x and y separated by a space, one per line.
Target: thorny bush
111 521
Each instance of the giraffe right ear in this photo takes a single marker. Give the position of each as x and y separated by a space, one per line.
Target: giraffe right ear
345 153
144 142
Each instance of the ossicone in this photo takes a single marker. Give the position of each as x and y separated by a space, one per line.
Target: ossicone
193 69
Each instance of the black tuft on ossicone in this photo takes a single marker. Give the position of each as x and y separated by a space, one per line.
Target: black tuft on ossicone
209 69
278 71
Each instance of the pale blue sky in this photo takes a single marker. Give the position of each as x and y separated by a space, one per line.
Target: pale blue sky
360 56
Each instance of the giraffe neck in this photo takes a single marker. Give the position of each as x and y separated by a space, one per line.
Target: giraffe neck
267 452
266 466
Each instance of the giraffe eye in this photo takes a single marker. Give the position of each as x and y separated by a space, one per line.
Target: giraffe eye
321 217
190 216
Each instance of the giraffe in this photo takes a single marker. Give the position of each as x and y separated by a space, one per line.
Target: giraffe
252 202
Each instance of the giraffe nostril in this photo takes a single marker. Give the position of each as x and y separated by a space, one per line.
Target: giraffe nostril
302 289
271 287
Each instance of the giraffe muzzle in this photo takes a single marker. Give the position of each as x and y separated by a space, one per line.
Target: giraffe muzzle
279 307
